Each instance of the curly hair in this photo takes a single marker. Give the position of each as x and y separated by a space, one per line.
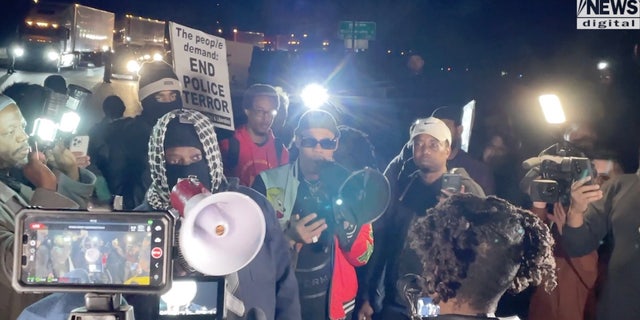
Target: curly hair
474 249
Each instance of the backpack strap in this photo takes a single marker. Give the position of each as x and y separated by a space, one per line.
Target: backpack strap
231 157
279 147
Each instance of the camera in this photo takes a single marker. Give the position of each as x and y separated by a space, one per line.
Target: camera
99 252
558 173
107 254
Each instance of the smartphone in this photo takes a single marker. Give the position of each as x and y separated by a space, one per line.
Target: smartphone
101 252
79 144
452 182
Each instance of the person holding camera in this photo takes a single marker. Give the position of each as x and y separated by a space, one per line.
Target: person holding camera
412 193
26 180
182 144
326 250
595 214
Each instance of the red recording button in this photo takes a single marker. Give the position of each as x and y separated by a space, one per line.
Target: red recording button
156 252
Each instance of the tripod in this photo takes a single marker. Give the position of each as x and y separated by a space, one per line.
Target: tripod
102 306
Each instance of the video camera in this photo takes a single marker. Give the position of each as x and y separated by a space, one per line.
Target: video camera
105 253
550 176
111 253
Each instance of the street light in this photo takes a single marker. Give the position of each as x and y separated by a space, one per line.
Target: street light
314 95
552 108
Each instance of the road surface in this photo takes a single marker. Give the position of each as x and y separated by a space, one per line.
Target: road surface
90 78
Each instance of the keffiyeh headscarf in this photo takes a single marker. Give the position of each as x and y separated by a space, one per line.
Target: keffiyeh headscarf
158 193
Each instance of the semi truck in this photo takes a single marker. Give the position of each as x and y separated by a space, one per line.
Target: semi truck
61 35
137 39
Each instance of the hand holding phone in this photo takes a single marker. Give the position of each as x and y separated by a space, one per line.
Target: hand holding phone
452 182
79 145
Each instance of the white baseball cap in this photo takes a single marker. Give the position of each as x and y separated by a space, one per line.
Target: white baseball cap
433 127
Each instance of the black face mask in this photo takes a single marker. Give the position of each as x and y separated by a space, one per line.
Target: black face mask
199 169
152 110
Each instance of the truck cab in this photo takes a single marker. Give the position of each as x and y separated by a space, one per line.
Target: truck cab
58 35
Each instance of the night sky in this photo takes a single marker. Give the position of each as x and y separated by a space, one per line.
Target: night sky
461 31
535 38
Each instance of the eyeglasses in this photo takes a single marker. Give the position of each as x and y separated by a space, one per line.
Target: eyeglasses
263 113
327 144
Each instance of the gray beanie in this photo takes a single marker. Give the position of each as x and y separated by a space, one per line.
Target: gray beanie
156 76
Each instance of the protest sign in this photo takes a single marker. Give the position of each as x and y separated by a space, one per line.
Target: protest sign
200 62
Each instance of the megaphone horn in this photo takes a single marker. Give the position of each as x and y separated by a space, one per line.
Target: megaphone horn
222 233
364 196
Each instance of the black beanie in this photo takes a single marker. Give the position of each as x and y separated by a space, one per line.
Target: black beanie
181 135
113 107
260 90
317 119
156 76
56 83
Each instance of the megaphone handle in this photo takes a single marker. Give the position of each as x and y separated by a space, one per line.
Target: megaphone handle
294 255
233 304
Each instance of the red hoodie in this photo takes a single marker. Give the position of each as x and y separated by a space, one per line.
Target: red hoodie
252 158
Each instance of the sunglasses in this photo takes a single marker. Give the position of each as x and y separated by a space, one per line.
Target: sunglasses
327 144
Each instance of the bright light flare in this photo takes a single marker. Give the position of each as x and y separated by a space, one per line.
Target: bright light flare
157 57
603 65
180 294
314 96
52 55
552 108
69 122
18 52
44 129
133 66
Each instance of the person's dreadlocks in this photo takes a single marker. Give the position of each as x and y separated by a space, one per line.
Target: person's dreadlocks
474 249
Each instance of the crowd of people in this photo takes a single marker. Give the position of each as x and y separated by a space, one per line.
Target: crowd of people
470 246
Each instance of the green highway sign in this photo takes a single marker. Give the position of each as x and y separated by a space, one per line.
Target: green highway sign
359 30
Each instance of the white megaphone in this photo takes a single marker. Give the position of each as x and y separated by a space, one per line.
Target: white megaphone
220 233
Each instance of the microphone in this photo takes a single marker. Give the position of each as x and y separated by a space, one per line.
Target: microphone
256 314
531 162
537 161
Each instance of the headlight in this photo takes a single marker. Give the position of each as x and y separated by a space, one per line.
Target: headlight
133 66
18 52
52 55
146 57
157 57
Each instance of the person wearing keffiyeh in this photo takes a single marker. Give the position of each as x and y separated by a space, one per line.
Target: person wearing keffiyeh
183 143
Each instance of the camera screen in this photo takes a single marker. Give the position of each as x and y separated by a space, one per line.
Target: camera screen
95 250
193 297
